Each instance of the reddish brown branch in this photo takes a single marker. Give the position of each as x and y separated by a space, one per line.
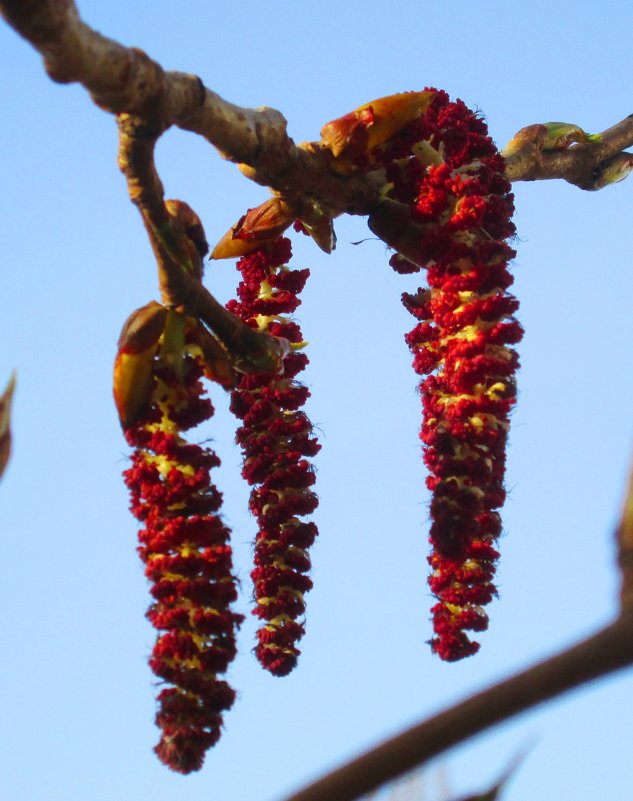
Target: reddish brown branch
125 81
5 424
605 652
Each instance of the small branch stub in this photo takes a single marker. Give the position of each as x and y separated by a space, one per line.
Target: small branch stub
625 548
5 424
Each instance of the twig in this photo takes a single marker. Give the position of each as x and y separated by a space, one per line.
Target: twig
5 423
179 264
584 164
625 547
126 80
605 652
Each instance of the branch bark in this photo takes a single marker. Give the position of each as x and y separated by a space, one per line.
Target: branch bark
609 650
126 80
587 165
149 100
179 263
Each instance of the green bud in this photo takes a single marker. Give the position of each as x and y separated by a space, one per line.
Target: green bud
560 135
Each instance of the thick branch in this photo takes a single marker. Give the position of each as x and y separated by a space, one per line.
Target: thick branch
122 79
588 165
126 80
605 652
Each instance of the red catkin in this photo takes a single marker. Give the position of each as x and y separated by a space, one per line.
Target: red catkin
184 545
276 437
461 202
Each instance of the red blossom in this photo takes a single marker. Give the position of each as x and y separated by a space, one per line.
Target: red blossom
276 437
461 348
184 545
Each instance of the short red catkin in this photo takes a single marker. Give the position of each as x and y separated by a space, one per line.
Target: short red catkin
446 170
276 438
184 545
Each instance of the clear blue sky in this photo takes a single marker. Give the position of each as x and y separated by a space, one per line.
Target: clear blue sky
77 695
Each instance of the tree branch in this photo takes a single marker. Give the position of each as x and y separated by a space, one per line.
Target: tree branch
609 650
179 262
122 79
588 165
625 547
148 100
126 80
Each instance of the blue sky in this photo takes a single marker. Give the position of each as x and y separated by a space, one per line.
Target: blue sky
77 693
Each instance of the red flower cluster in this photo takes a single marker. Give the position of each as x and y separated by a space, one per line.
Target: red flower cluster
446 169
184 545
275 437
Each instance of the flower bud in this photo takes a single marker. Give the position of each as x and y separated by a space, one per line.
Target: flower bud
548 136
260 225
373 124
613 170
391 221
133 366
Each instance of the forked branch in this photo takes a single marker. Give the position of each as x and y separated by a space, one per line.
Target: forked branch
179 261
126 80
148 100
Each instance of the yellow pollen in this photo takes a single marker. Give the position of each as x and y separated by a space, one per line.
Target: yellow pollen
271 645
164 465
278 621
271 600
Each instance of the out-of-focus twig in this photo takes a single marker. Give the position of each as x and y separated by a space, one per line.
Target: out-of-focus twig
625 547
609 650
5 424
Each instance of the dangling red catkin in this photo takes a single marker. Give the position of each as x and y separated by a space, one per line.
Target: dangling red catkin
276 437
184 543
448 173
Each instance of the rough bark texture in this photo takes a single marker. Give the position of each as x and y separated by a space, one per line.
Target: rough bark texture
181 289
126 80
582 164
